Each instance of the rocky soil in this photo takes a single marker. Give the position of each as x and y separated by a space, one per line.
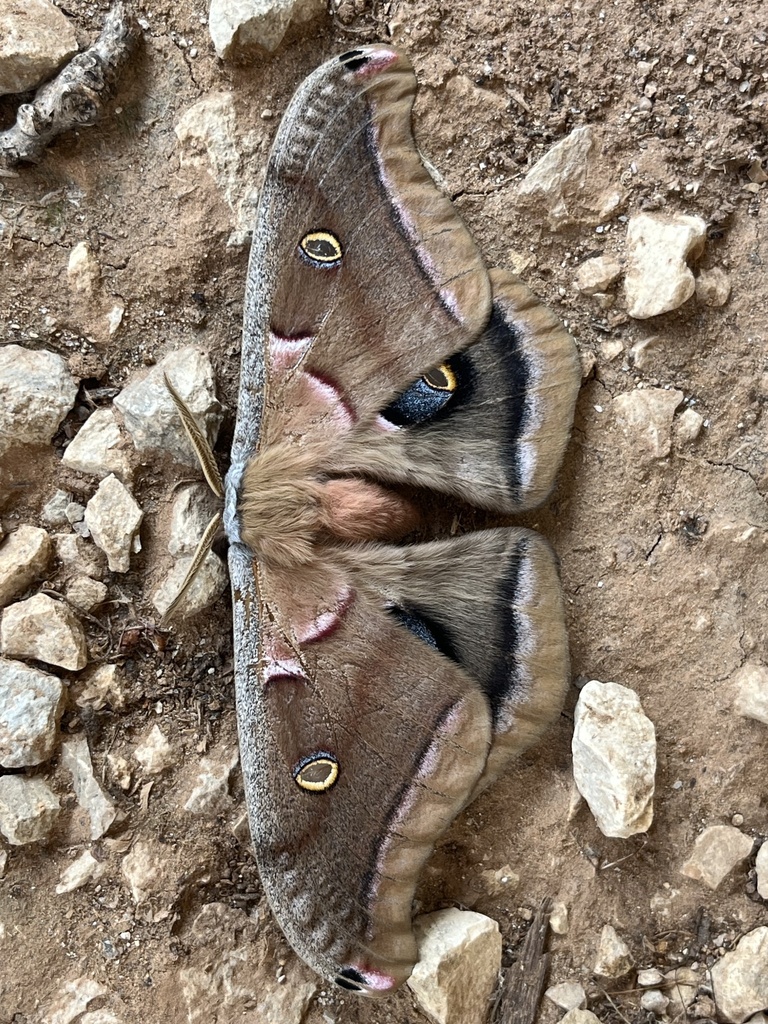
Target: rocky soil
138 899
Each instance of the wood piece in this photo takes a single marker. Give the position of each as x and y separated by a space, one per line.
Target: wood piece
524 981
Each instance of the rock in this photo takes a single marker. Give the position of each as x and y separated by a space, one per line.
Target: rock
54 512
36 393
81 871
30 709
36 40
72 999
85 593
580 1017
97 450
241 24
614 959
83 270
28 809
75 513
654 1001
121 771
208 140
458 966
149 870
190 514
650 977
713 287
77 557
614 758
152 419
645 418
3 862
573 182
499 881
558 919
750 683
597 275
740 978
716 853
103 687
113 518
226 979
155 753
761 867
688 426
24 558
568 995
658 278
45 630
76 758
210 794
209 583
682 985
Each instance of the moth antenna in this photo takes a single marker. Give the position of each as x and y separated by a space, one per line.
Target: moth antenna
201 553
198 441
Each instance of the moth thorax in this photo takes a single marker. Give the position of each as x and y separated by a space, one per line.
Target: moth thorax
279 507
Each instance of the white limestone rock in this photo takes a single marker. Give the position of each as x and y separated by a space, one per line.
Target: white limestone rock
645 418
152 419
30 708
113 517
190 514
28 809
83 270
654 1001
649 977
36 393
614 758
761 869
36 39
713 287
717 851
597 275
76 758
658 278
99 449
102 687
148 869
80 872
558 919
740 978
85 594
688 426
580 1017
54 512
154 753
240 24
458 966
45 630
24 558
568 995
210 793
682 984
613 956
72 1000
209 584
573 182
750 683
77 556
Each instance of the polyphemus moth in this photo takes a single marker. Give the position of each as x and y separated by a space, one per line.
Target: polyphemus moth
379 685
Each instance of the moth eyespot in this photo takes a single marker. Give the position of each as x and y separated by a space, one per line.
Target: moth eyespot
321 247
350 978
441 378
317 772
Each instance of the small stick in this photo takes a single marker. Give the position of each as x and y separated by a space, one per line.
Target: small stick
76 96
524 981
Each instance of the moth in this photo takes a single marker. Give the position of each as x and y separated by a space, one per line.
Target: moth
381 685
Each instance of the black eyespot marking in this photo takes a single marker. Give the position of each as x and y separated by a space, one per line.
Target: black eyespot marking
354 59
351 979
322 248
426 629
316 773
427 396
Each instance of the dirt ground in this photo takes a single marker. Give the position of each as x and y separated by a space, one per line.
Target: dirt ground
663 561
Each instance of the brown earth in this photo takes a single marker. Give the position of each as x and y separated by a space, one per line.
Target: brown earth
663 561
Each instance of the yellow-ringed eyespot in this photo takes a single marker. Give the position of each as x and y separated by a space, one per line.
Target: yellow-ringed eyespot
316 773
441 378
322 247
